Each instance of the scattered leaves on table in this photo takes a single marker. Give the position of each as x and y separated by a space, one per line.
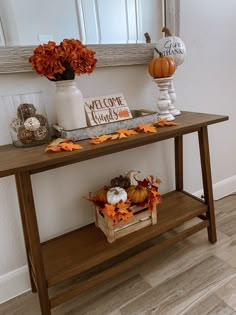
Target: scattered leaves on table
124 133
61 144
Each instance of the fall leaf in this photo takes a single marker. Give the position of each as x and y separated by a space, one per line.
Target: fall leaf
118 136
153 199
100 139
109 210
125 217
53 149
127 132
60 144
154 180
121 136
146 128
57 141
69 146
123 207
115 136
164 122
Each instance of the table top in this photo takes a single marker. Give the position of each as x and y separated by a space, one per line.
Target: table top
14 160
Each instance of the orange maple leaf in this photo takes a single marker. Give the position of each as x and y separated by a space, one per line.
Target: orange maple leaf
117 136
60 144
127 132
57 141
100 139
146 128
164 122
154 180
109 210
69 146
153 199
124 216
122 207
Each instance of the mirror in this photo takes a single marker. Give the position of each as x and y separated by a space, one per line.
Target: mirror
32 22
15 58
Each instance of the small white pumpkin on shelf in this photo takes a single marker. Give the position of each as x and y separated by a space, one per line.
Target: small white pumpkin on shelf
115 195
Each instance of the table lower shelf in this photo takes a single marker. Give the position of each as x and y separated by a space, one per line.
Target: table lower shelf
80 250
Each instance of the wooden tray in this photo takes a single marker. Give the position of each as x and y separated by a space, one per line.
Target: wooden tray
140 116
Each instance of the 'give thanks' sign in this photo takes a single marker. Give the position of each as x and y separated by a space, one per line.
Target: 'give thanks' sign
106 109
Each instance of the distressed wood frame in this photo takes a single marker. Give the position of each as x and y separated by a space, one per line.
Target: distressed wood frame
15 59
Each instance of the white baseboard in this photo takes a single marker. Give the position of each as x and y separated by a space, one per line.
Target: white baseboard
14 283
221 189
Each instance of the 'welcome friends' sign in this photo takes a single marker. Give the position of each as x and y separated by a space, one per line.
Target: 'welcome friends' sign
106 109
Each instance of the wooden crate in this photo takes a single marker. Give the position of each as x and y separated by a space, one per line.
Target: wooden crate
142 218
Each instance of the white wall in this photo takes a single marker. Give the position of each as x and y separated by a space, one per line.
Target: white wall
205 83
206 80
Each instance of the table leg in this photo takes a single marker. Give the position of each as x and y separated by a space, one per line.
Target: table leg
25 232
179 163
31 234
207 182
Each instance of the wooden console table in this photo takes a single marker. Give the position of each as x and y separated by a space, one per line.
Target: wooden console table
85 252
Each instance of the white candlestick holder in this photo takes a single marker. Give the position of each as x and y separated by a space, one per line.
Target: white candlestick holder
171 91
164 100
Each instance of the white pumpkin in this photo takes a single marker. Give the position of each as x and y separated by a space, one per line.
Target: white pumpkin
171 46
116 194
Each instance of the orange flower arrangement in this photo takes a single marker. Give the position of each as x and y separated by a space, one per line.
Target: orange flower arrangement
63 61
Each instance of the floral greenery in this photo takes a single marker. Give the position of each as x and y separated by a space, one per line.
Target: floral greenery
63 61
123 210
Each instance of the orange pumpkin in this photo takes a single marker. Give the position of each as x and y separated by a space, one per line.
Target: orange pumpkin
102 194
137 194
162 67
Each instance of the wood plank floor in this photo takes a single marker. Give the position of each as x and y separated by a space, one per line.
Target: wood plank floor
192 277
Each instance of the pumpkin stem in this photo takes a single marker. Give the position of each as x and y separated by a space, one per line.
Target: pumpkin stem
147 37
166 31
160 54
115 191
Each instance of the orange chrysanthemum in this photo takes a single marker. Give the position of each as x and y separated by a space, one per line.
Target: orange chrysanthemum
64 61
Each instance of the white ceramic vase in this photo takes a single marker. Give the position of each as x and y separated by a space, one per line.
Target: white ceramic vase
69 105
